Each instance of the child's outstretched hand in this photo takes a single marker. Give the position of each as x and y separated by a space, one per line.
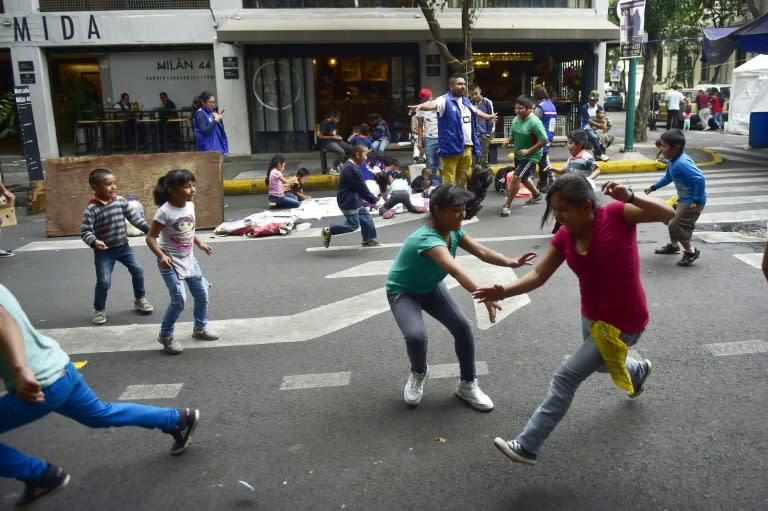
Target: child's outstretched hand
492 307
488 295
523 260
205 247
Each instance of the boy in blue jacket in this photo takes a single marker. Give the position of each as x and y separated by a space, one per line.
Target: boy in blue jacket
691 191
351 192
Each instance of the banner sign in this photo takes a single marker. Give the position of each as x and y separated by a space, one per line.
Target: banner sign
631 15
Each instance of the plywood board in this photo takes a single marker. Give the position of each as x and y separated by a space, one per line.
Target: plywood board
7 212
68 192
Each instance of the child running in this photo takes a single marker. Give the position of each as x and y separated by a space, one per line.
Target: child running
103 229
415 284
171 239
40 379
691 195
600 246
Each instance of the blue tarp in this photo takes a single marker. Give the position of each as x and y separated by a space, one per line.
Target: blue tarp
719 43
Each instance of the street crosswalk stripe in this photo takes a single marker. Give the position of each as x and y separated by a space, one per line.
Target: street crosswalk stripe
453 371
751 215
721 349
754 259
726 237
157 391
315 381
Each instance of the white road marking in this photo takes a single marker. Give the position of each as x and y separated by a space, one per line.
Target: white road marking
315 381
726 237
721 349
747 215
755 260
437 371
158 391
300 327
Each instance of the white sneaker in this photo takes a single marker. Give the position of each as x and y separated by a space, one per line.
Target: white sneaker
604 157
333 172
470 392
204 333
143 305
99 317
414 388
505 211
170 345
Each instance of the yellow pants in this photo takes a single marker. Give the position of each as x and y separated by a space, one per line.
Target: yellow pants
456 168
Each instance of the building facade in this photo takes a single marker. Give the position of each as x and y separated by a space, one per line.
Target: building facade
278 67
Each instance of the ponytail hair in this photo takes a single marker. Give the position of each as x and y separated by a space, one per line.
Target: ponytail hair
273 163
173 179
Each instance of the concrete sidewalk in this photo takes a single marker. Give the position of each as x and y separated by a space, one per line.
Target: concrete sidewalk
245 174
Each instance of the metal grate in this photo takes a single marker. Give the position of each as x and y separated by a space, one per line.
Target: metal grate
120 5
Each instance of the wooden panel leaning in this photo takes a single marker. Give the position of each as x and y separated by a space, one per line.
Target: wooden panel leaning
68 192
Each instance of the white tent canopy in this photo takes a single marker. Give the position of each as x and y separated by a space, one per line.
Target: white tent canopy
749 93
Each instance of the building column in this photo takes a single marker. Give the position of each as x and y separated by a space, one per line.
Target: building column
231 95
40 92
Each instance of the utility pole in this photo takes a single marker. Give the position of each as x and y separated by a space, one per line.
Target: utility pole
629 132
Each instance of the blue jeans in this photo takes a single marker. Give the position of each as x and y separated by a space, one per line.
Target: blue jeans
287 201
378 147
595 140
582 363
104 260
198 286
70 396
718 118
441 305
430 153
360 218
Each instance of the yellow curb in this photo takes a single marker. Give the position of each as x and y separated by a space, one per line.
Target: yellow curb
243 186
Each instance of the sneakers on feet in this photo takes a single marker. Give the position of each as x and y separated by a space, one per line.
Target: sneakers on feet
6 253
414 388
48 482
333 172
505 211
689 257
669 248
388 214
99 317
182 433
604 157
326 235
641 385
470 392
536 199
204 333
371 243
514 451
170 345
143 305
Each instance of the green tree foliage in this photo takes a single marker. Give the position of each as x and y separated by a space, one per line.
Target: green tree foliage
9 124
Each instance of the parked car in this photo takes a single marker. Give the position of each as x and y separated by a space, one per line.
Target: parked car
613 100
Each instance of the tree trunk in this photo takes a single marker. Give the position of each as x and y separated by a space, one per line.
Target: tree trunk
642 114
437 37
466 31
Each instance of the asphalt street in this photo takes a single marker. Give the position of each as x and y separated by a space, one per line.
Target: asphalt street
303 409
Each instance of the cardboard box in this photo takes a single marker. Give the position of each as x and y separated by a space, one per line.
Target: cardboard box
7 212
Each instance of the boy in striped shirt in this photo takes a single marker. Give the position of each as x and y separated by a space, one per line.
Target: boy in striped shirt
103 229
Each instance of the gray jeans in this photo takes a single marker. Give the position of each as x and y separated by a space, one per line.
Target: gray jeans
582 363
441 305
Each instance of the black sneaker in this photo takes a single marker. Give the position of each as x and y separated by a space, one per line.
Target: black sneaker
641 386
182 433
535 200
669 248
514 451
49 481
689 257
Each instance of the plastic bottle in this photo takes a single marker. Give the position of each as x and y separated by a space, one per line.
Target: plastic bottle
134 205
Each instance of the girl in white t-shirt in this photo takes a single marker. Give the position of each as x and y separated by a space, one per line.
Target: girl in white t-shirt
171 238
